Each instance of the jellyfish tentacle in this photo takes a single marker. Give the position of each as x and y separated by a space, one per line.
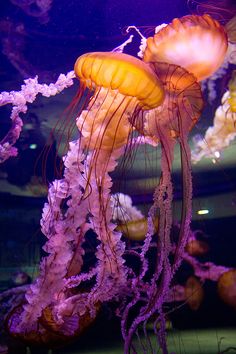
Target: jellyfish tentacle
186 213
105 134
49 286
169 123
19 101
156 293
111 271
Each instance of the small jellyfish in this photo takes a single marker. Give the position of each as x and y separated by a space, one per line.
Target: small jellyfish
197 247
136 230
226 287
194 293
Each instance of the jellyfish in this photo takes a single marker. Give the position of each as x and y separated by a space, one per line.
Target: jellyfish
35 8
194 292
64 298
197 43
226 287
181 54
197 247
169 123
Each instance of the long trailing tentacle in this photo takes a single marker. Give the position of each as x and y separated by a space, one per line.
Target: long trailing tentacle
186 213
157 290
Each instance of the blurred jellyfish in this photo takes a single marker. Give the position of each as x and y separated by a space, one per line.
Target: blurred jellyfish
222 132
197 247
35 8
227 287
131 221
194 293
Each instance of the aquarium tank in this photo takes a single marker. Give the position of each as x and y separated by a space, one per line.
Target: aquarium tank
117 176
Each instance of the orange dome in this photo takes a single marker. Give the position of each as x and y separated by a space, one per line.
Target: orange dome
122 72
227 287
194 293
197 43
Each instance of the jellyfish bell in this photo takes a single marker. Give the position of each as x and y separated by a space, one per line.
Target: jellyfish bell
197 43
226 287
48 333
197 247
122 85
136 230
194 293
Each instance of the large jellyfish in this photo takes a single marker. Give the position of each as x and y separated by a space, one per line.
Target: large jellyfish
65 297
198 44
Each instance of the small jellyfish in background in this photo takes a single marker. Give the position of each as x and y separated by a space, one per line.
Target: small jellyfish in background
19 278
35 8
222 132
226 287
194 292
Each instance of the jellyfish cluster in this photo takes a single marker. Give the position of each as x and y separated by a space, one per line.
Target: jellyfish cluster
121 97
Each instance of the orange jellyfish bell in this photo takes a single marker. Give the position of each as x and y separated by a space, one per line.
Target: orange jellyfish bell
119 71
197 43
197 247
194 293
49 333
122 85
136 230
227 287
